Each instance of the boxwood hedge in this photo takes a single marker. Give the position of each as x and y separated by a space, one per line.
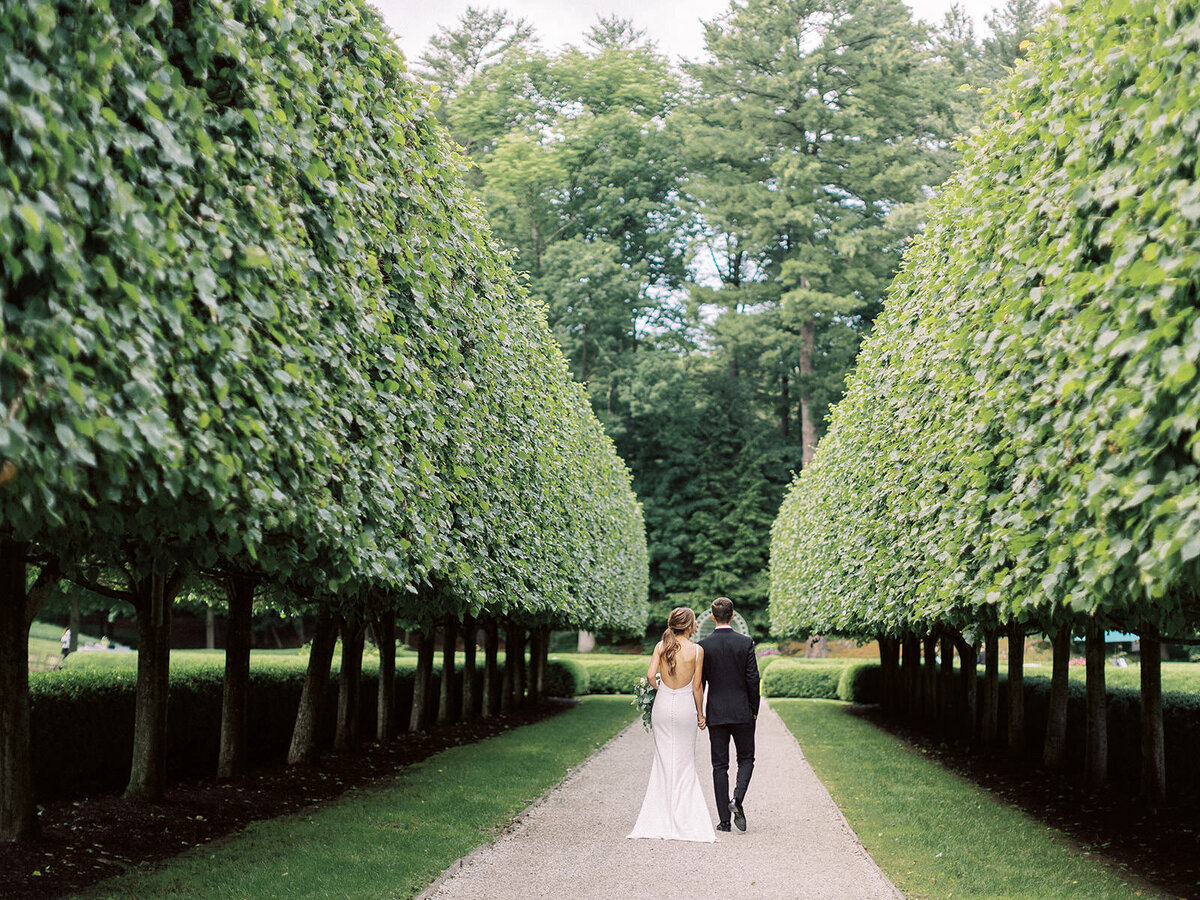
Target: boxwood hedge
82 719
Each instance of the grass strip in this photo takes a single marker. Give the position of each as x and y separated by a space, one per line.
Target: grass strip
934 834
389 841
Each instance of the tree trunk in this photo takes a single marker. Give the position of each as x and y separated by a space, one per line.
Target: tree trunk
990 724
210 629
74 621
1016 689
510 664
520 675
491 671
543 662
423 680
785 407
535 650
946 687
19 606
1154 765
470 631
306 735
346 738
446 703
1054 752
808 426
929 690
967 657
235 698
1096 752
889 670
911 674
385 635
147 773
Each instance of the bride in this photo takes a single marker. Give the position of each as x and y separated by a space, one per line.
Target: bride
674 808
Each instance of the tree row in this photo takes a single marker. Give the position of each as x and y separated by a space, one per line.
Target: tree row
1017 449
253 329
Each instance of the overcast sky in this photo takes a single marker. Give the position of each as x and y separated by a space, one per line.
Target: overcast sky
673 24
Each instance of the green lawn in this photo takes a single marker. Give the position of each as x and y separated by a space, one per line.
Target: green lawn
389 841
934 834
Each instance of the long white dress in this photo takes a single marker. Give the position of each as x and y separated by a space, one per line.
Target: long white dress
674 807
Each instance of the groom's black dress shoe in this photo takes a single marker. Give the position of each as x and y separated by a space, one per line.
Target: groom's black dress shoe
723 826
739 817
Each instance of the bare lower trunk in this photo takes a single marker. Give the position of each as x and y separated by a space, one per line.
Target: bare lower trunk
1096 753
808 425
491 670
929 677
889 670
74 623
385 634
235 698
543 662
306 735
1016 689
147 773
968 656
423 680
520 675
446 703
18 607
510 665
470 631
535 651
346 738
946 685
210 629
1154 765
911 674
990 700
1054 752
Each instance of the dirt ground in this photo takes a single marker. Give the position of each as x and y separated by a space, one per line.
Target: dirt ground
89 839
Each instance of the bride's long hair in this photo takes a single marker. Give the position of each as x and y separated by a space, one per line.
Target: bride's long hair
681 622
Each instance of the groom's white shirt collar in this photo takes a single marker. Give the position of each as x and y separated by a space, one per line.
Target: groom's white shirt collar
723 628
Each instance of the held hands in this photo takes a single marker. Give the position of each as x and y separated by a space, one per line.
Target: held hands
701 721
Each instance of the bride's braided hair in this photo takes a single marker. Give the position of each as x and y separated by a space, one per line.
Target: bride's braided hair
679 622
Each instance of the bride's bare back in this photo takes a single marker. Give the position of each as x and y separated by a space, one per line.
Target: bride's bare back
687 658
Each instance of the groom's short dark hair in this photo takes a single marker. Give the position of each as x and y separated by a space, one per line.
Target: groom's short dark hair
722 610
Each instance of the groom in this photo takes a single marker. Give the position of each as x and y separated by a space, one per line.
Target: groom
731 675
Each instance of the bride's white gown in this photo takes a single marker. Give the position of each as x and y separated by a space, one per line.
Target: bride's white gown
674 808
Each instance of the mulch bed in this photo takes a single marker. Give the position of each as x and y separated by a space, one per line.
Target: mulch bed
90 839
1163 850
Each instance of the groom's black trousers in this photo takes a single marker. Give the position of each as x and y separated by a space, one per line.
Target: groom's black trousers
742 734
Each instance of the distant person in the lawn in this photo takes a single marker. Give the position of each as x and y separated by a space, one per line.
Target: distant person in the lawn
730 672
674 806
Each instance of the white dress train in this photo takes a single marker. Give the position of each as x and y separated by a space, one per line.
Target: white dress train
674 808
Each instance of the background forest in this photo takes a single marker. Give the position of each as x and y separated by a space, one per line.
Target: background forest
712 241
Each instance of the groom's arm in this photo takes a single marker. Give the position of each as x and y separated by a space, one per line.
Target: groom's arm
752 679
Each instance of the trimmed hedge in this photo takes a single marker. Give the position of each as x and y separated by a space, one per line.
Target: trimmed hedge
566 678
82 720
799 678
859 683
614 677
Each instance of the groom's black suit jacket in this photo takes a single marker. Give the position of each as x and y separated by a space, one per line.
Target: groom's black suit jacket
731 673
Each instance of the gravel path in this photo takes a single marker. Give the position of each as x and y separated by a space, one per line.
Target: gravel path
571 844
